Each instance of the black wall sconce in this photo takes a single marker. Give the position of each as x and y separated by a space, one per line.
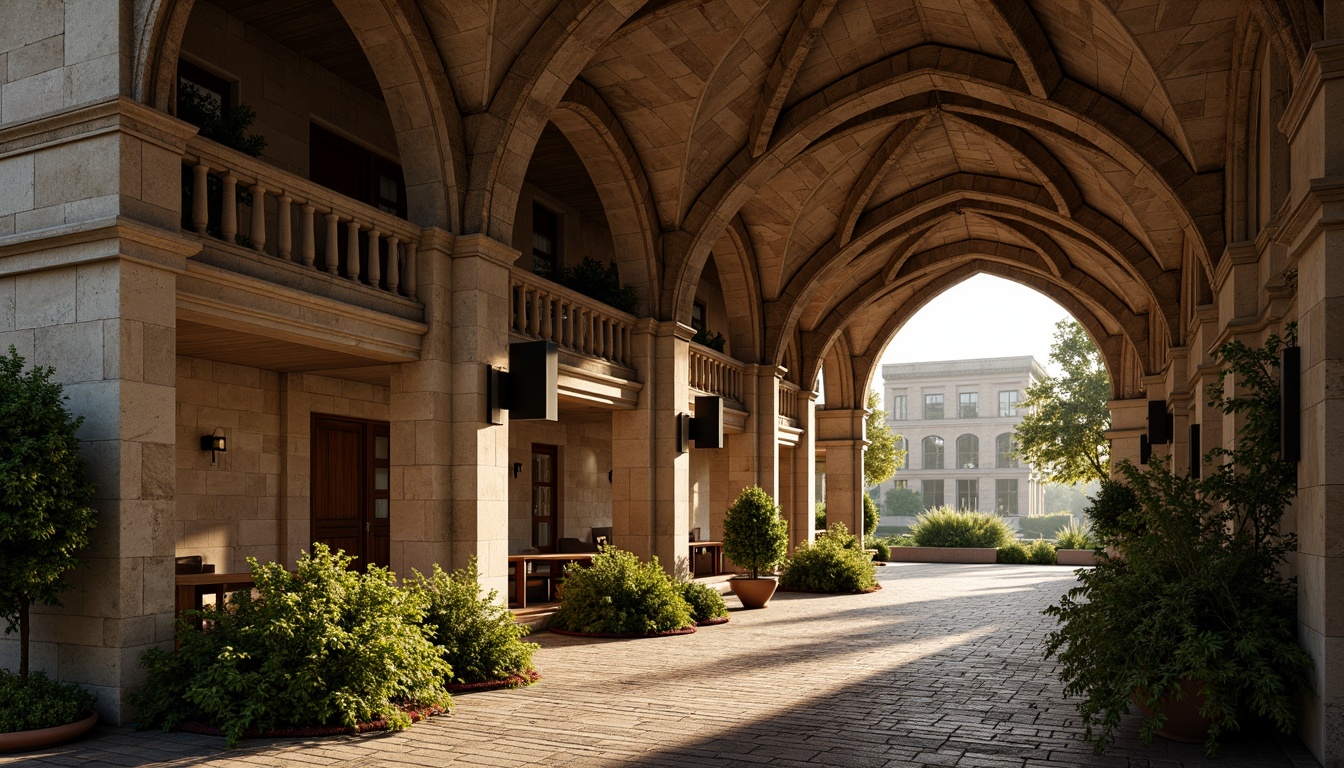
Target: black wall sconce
214 443
705 428
528 390
1160 423
517 468
1290 404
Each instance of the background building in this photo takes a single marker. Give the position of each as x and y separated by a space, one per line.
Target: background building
957 420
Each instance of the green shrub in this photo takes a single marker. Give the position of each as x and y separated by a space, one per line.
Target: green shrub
596 280
947 527
705 602
39 702
228 128
883 550
755 536
619 595
819 515
833 563
903 540
871 516
1044 526
323 646
480 640
1074 536
1041 552
1115 512
1013 553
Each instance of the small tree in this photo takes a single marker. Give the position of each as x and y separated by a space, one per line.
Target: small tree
45 517
1064 433
881 458
871 516
755 537
903 502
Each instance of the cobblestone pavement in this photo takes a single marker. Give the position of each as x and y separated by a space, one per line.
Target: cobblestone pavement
942 667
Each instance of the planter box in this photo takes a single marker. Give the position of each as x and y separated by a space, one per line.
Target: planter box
1076 557
943 554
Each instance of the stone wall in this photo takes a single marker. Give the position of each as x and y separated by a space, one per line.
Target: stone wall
584 459
579 235
54 56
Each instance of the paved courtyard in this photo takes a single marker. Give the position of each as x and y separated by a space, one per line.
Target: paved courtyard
942 667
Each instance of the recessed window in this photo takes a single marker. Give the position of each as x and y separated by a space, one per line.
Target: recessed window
933 406
343 166
968 494
214 88
545 240
1005 496
699 311
968 452
933 493
1008 402
1005 451
897 410
968 405
901 485
933 452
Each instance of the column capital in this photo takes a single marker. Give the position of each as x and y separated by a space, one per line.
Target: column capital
764 369
654 327
485 247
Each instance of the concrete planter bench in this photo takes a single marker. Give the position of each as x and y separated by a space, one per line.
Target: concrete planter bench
1076 557
943 555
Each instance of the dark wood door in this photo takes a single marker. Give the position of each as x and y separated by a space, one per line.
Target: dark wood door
351 504
545 499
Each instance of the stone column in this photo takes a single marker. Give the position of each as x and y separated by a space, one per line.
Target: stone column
651 504
478 494
1129 422
422 423
841 433
802 523
753 455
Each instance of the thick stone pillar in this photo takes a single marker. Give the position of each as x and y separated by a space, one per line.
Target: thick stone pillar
1314 233
841 433
478 494
1129 423
650 496
89 204
753 455
422 423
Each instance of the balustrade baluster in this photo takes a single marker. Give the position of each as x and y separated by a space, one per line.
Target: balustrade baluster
587 330
258 235
352 250
284 233
375 258
200 204
307 242
618 350
516 304
228 209
393 263
333 255
411 275
534 316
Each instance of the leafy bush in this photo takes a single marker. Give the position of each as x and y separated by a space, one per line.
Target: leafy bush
947 527
1199 594
833 563
903 540
596 280
323 646
706 603
715 341
1013 553
1074 536
819 515
1044 526
1041 552
228 128
1115 511
871 516
619 595
883 550
755 536
39 702
480 640
903 502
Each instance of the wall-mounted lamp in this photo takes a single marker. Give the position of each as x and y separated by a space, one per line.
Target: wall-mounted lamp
705 428
529 389
214 443
517 468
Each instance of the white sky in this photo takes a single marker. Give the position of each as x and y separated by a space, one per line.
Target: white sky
983 316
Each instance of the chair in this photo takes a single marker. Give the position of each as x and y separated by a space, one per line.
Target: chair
601 536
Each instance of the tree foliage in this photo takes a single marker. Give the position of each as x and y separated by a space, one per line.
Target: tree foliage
903 502
1063 434
755 536
45 517
881 458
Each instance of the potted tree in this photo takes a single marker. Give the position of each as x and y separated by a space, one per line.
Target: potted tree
755 538
45 519
1191 619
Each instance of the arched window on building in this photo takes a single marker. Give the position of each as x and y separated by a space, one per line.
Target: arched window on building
933 452
1004 448
968 452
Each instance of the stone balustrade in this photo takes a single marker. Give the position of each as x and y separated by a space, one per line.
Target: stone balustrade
543 310
788 403
241 201
714 373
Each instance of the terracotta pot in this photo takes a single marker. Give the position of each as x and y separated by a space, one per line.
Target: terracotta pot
754 593
22 741
1184 722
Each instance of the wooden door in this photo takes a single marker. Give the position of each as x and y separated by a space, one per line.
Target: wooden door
351 505
545 498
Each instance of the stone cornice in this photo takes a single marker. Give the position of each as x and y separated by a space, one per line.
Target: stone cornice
97 240
484 246
119 115
1325 61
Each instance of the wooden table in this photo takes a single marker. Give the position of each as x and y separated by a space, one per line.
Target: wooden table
715 550
192 588
520 563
